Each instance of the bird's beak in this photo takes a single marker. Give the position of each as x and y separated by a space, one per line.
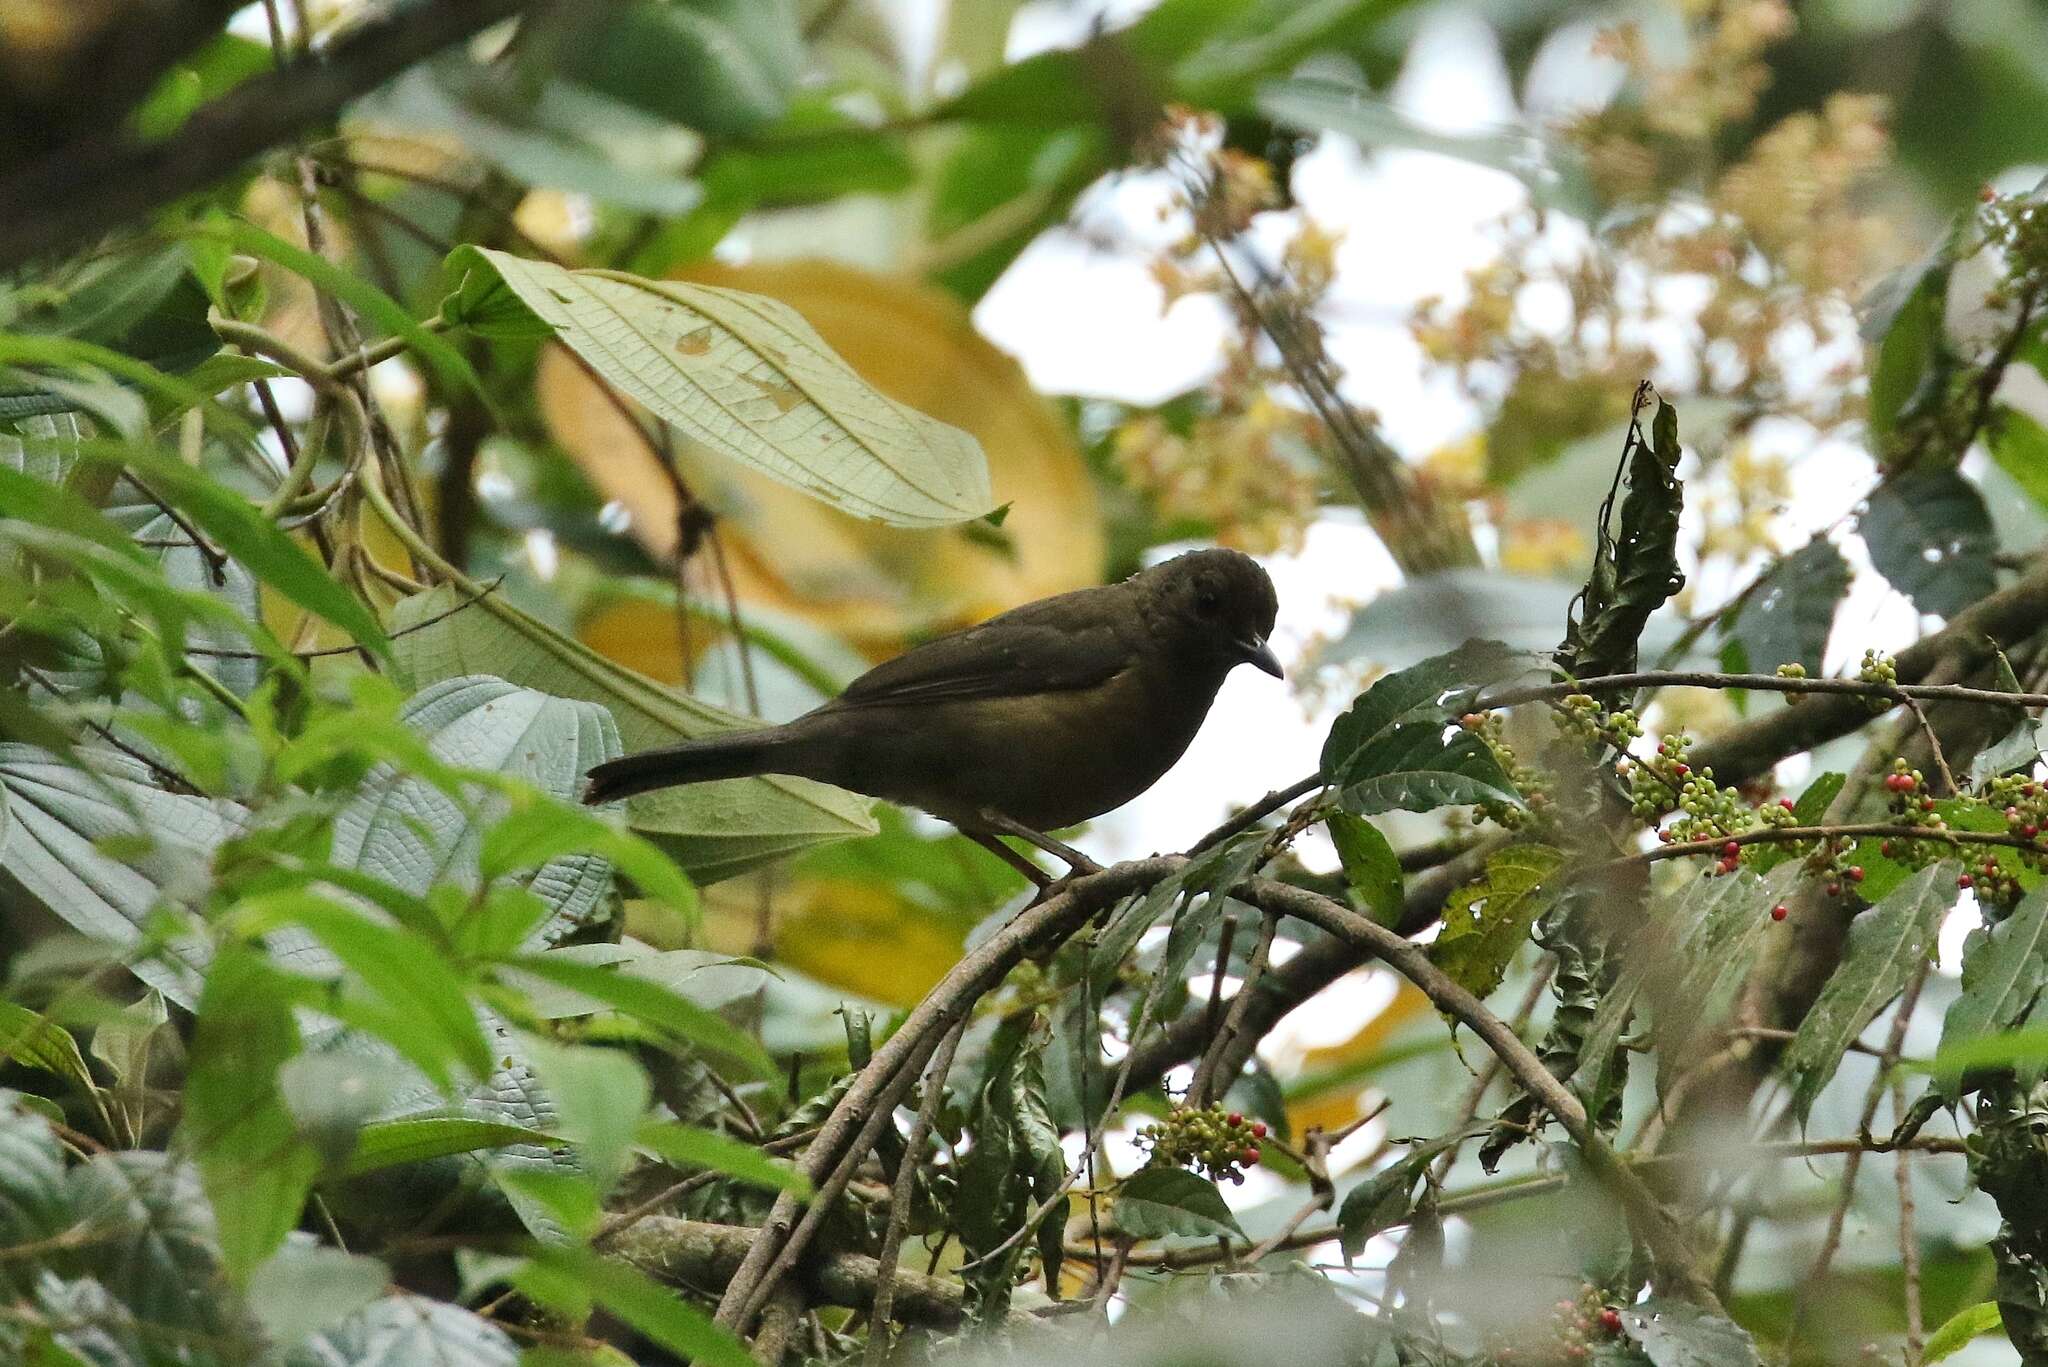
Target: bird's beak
1257 652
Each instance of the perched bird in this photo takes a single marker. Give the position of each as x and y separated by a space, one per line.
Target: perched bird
1042 717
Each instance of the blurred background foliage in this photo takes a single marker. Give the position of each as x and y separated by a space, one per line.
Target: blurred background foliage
1723 196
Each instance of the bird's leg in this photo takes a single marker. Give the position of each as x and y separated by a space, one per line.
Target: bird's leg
1075 861
1037 877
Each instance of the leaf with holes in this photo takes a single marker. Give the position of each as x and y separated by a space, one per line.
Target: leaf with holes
746 376
1929 533
1680 1334
1489 919
1428 689
1411 767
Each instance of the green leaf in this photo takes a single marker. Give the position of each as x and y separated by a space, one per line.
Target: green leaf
2018 749
34 1041
1159 1203
746 376
414 1139
1371 867
1905 323
408 1331
1387 1197
1956 1332
1886 943
255 1168
1488 920
304 1288
745 57
53 817
1554 175
1680 1334
713 830
240 529
1786 617
1929 533
571 1278
2019 445
2005 967
668 1012
1813 803
353 290
539 834
1412 768
1436 688
423 1008
689 1146
413 835
1635 571
601 1096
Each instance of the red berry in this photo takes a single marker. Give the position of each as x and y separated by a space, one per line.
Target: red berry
1787 803
1730 864
1258 1129
1779 912
1610 1320
1663 749
1966 881
2030 830
1926 804
1730 850
1235 1118
1681 769
1885 848
1834 889
1248 1159
1855 872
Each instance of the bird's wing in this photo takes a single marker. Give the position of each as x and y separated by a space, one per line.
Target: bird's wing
1051 646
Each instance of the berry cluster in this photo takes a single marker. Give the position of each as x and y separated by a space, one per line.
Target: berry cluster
1878 669
1532 784
1205 1137
1580 715
1707 810
1793 671
2024 803
1577 1327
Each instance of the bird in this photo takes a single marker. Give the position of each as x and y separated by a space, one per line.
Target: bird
1039 718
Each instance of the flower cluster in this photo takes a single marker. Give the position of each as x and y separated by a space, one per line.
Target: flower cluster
1205 1137
1576 1328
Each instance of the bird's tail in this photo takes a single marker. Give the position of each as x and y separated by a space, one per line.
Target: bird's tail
739 754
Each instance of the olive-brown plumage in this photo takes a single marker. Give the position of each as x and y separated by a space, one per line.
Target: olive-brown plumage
1049 714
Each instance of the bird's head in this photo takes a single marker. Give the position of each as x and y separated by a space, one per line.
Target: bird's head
1216 606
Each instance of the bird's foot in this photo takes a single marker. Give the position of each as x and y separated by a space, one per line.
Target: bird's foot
1077 863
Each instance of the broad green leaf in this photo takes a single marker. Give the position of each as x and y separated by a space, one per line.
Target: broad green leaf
1929 533
689 1146
1956 1332
670 1013
414 1139
1554 174
713 830
1635 566
1905 327
538 835
1487 921
33 1202
147 1234
255 1168
413 835
53 817
1426 690
304 1288
1680 1334
1725 927
1411 767
749 53
1885 944
2005 967
571 1279
600 1097
2019 443
1159 1203
748 377
2017 750
409 1331
35 1041
421 1006
1786 617
1387 1197
1371 867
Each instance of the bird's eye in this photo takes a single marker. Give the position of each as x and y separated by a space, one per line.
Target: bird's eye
1207 603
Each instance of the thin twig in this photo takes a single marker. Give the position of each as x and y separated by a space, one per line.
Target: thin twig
1909 1240
880 1326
